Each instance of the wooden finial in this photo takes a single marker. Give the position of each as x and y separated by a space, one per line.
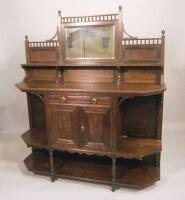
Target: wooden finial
26 37
163 32
59 13
120 8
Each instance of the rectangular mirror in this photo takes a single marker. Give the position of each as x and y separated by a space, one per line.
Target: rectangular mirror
90 42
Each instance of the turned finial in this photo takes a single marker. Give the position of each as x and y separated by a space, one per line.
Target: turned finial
26 37
120 8
163 32
59 13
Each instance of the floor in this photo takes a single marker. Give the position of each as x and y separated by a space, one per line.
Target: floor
17 183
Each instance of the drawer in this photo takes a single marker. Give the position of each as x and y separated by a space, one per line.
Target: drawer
64 98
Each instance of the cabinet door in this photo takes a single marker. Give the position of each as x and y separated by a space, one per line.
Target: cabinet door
63 126
95 128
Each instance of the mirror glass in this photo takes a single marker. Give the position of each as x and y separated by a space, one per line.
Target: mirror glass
90 42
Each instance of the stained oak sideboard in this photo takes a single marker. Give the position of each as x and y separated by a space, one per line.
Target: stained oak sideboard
95 103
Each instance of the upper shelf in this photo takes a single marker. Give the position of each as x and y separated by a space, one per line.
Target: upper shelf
132 89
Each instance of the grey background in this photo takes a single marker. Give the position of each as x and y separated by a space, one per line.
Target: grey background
38 19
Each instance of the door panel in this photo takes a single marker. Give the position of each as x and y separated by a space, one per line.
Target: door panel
95 127
63 128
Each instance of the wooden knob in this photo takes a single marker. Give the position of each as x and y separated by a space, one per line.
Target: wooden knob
63 99
94 100
26 37
82 128
59 13
120 8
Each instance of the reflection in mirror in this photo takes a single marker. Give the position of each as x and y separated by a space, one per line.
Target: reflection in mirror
94 42
104 42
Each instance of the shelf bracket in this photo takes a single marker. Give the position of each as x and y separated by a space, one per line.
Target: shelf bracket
123 99
127 34
38 95
54 37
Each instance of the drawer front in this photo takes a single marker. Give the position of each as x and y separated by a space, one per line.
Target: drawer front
66 98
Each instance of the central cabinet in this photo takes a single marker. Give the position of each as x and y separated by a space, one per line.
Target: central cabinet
80 122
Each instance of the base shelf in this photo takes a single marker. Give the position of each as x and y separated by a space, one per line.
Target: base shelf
130 173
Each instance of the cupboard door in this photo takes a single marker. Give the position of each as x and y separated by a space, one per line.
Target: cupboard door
95 128
63 126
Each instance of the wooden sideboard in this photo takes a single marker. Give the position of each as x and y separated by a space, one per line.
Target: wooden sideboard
95 103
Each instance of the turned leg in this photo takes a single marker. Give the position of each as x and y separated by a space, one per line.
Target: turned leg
157 160
113 174
52 166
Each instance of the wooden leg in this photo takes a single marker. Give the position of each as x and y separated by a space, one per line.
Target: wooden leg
113 174
158 158
52 166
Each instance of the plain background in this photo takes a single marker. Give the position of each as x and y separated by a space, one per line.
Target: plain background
38 19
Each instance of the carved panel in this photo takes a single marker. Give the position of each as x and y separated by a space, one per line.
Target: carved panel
42 74
95 127
44 55
141 76
89 75
141 54
63 126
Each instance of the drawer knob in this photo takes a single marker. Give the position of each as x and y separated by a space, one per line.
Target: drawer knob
63 99
82 128
94 100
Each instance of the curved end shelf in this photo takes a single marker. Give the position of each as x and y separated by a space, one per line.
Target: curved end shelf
138 147
35 139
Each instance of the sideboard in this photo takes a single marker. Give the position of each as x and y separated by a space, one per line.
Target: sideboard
95 103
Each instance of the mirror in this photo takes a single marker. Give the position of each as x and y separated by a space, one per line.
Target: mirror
90 42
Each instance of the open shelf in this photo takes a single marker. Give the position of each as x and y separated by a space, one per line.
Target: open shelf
35 138
133 147
130 173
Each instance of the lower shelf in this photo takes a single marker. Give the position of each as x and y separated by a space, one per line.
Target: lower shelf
130 173
131 147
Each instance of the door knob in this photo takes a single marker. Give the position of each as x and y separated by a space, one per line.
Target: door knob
63 99
82 128
94 100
